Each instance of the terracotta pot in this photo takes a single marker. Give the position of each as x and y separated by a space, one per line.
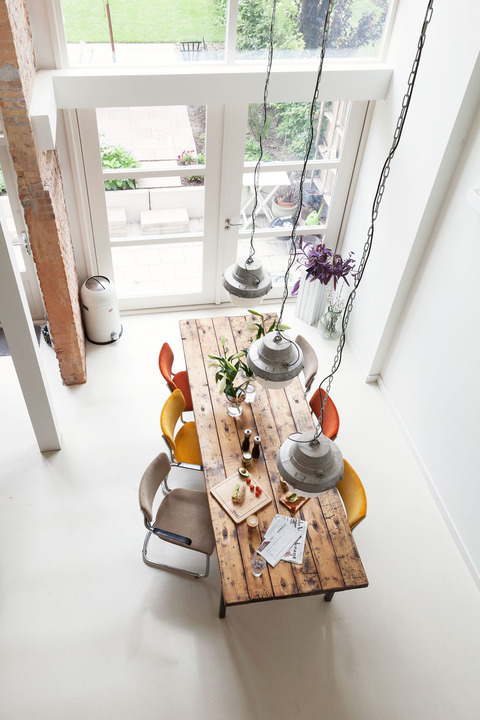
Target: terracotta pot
280 208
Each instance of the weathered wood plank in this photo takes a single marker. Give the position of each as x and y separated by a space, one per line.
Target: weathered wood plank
197 341
283 576
343 543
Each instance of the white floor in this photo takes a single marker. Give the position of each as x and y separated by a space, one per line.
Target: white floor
88 631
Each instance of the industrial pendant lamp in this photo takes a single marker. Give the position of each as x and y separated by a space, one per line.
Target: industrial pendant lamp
275 359
309 462
247 281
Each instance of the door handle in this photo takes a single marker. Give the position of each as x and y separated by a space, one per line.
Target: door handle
229 224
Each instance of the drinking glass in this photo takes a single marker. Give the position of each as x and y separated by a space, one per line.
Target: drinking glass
258 565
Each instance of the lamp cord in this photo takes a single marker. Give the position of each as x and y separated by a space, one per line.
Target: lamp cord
375 207
293 235
256 173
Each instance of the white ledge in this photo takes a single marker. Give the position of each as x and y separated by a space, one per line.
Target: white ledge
79 88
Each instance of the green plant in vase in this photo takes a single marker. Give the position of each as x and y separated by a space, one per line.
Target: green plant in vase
232 376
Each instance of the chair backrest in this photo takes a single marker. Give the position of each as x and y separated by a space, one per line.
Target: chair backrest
171 411
353 495
151 480
331 418
165 363
310 361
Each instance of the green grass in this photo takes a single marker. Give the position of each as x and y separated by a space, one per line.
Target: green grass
141 21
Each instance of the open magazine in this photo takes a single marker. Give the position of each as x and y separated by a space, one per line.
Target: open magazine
284 540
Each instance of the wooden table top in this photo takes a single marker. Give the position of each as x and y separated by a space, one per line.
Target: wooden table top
331 562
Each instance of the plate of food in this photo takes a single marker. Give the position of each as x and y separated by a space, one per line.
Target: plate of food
240 495
293 501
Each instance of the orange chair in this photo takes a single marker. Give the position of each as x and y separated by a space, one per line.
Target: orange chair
177 381
331 419
353 495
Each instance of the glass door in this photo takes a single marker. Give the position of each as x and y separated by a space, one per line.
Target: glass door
153 186
337 130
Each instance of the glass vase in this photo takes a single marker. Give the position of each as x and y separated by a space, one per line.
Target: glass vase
234 405
331 325
250 390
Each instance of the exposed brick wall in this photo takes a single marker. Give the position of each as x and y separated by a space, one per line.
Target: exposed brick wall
41 193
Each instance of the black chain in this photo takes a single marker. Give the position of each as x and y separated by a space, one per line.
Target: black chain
376 204
256 173
293 246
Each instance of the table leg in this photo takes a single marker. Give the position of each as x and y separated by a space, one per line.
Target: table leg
328 596
222 609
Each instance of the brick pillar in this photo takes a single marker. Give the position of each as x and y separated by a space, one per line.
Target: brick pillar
41 193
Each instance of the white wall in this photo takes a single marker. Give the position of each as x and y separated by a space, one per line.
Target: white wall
431 373
441 111
420 297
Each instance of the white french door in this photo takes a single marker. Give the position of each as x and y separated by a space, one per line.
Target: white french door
166 243
158 239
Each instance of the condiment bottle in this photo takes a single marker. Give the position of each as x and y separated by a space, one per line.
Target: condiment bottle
246 440
256 446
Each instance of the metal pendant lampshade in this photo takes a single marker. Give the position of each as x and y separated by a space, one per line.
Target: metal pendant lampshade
310 465
247 282
275 360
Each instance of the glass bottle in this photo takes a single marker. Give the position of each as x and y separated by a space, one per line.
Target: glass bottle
256 446
246 440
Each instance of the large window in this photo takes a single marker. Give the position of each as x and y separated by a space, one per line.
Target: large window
152 32
163 158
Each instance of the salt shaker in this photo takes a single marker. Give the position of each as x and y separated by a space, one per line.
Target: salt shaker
256 446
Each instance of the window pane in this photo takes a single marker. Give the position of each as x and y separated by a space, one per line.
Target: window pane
170 269
287 131
279 195
155 209
356 28
144 32
151 134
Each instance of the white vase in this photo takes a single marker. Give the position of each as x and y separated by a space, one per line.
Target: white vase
311 300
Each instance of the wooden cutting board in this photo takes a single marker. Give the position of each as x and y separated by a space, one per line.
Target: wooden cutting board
223 494
285 500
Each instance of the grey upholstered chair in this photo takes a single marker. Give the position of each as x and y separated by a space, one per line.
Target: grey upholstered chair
183 517
310 362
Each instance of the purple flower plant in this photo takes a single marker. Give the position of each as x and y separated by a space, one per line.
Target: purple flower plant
322 264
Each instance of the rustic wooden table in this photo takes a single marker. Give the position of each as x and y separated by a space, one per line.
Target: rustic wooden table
331 561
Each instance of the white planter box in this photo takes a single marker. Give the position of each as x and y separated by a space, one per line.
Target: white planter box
311 300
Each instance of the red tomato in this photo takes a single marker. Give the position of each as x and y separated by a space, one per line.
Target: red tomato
248 480
259 490
252 487
294 508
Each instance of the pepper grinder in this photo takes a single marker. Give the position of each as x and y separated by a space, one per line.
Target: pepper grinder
256 446
246 440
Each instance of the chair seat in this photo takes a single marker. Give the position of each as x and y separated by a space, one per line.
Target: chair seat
187 447
186 512
181 381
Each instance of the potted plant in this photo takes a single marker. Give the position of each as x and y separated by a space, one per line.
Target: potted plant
286 201
189 157
320 263
232 377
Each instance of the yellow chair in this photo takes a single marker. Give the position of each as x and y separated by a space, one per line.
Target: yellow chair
184 446
353 495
